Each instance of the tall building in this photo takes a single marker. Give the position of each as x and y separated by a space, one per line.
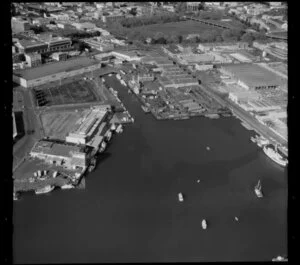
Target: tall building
33 59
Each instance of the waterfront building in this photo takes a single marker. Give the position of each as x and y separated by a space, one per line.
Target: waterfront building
31 46
19 25
126 55
87 126
33 59
252 76
61 154
55 71
59 56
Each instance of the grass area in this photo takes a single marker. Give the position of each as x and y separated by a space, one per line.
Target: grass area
183 28
57 124
76 92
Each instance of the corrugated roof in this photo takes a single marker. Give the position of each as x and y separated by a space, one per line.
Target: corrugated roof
54 68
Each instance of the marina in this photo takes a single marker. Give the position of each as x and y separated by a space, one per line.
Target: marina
150 149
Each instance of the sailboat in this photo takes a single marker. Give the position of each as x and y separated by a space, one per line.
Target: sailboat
204 224
257 190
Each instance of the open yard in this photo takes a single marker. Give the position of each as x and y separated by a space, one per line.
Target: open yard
183 28
57 124
80 91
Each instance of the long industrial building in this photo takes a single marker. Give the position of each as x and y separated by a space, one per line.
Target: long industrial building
55 71
62 154
253 76
87 126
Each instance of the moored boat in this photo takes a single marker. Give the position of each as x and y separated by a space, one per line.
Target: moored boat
119 128
108 135
92 165
113 127
280 258
46 189
204 224
102 147
67 186
180 197
274 155
15 196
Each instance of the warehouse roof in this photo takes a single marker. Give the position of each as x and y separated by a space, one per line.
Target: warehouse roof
254 75
54 68
56 149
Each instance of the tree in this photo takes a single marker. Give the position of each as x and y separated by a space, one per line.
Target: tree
247 37
133 11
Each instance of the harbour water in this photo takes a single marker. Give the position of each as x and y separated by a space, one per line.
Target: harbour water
129 210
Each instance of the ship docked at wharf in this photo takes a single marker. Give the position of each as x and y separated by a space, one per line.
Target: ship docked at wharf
273 153
45 189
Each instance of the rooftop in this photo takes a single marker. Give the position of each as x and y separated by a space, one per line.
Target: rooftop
57 149
54 68
254 75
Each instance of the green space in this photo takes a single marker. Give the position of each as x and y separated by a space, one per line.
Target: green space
182 28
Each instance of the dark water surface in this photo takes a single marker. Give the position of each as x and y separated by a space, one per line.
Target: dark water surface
129 210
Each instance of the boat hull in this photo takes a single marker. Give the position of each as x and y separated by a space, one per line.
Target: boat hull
273 157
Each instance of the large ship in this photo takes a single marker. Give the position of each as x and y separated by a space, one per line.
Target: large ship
272 153
46 189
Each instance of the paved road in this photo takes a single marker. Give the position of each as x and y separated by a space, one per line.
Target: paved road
245 116
24 145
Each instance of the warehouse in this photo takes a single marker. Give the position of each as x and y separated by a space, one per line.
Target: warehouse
253 76
62 154
87 126
54 71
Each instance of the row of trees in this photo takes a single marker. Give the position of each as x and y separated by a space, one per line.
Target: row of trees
148 20
227 35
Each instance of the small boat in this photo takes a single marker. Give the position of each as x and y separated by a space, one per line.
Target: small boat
103 146
46 189
204 224
236 219
180 197
113 127
257 190
92 165
108 135
15 196
253 139
207 148
280 258
119 128
67 186
110 75
198 181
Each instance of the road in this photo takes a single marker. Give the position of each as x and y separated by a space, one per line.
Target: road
245 116
24 145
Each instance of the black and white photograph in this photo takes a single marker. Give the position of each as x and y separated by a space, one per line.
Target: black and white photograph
149 132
